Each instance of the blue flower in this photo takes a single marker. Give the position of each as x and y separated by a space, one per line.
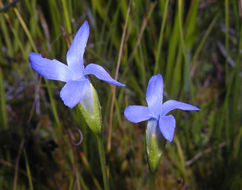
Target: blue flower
156 110
75 75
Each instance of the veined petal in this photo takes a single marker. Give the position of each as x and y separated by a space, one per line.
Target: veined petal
50 69
154 94
101 74
167 126
173 104
137 114
75 53
73 92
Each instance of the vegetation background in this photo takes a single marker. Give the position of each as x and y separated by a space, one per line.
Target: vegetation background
195 44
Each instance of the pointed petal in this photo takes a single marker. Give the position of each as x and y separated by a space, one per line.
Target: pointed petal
50 69
101 74
75 53
154 94
73 92
173 104
137 114
167 126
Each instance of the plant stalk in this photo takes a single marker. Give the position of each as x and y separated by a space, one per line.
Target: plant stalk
152 180
102 161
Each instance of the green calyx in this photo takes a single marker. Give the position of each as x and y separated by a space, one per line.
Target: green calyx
91 112
155 145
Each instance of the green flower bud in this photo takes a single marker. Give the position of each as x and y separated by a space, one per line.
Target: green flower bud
155 144
90 109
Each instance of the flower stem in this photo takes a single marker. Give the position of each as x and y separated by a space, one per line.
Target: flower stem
102 161
152 180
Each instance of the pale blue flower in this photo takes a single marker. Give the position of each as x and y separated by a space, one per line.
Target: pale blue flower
75 75
156 110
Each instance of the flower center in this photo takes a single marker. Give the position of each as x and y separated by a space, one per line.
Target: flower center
79 76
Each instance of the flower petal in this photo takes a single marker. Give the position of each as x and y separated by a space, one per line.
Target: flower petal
154 94
73 92
50 69
167 126
173 104
75 53
137 114
101 74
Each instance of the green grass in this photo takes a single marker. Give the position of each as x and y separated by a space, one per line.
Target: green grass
178 39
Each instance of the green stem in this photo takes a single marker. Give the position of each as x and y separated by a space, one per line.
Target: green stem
26 30
152 180
102 161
